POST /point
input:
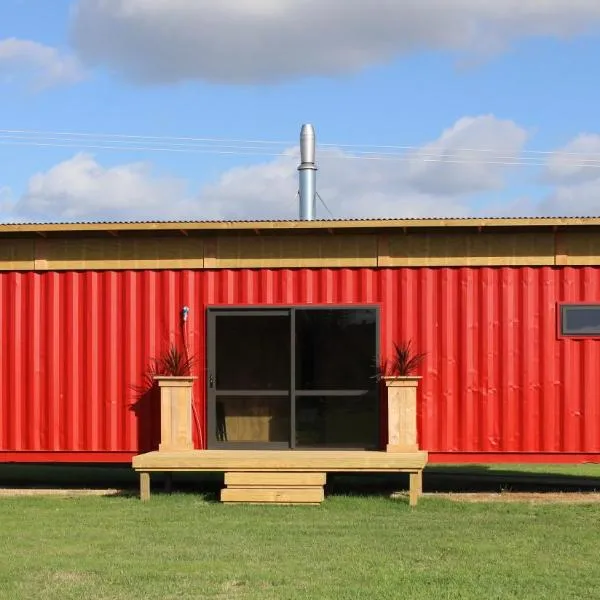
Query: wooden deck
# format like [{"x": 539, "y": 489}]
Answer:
[{"x": 280, "y": 476}]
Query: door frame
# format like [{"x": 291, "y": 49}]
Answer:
[
  {"x": 276, "y": 310},
  {"x": 211, "y": 391}
]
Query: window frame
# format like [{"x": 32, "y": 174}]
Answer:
[
  {"x": 560, "y": 313},
  {"x": 212, "y": 310}
]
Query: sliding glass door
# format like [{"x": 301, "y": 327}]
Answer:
[
  {"x": 292, "y": 378},
  {"x": 249, "y": 377}
]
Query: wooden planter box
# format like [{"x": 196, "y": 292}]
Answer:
[
  {"x": 402, "y": 413},
  {"x": 175, "y": 413}
]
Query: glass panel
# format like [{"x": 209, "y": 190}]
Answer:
[
  {"x": 253, "y": 419},
  {"x": 581, "y": 320},
  {"x": 335, "y": 349},
  {"x": 252, "y": 352},
  {"x": 337, "y": 421}
]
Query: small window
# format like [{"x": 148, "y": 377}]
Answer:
[{"x": 580, "y": 320}]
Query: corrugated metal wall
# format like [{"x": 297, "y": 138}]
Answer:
[{"x": 75, "y": 346}]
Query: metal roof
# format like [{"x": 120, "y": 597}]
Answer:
[{"x": 265, "y": 225}]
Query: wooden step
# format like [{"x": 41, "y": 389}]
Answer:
[
  {"x": 275, "y": 480},
  {"x": 305, "y": 495},
  {"x": 266, "y": 487}
]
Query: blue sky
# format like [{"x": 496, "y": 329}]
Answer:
[{"x": 459, "y": 87}]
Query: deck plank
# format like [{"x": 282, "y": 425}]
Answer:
[
  {"x": 274, "y": 479},
  {"x": 280, "y": 460},
  {"x": 307, "y": 495}
]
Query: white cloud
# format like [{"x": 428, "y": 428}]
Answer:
[
  {"x": 250, "y": 41},
  {"x": 5, "y": 195},
  {"x": 6, "y": 199},
  {"x": 574, "y": 169},
  {"x": 580, "y": 199},
  {"x": 46, "y": 66},
  {"x": 81, "y": 188},
  {"x": 417, "y": 185},
  {"x": 7, "y": 205},
  {"x": 576, "y": 162},
  {"x": 460, "y": 158},
  {"x": 350, "y": 188}
]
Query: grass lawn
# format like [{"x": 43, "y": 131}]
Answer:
[{"x": 185, "y": 546}]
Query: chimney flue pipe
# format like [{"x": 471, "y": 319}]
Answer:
[{"x": 307, "y": 174}]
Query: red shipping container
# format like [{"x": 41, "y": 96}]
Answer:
[{"x": 498, "y": 383}]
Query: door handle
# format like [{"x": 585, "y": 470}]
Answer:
[{"x": 211, "y": 381}]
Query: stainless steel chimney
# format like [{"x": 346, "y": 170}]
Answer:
[{"x": 307, "y": 174}]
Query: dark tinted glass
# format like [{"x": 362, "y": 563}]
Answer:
[
  {"x": 252, "y": 352},
  {"x": 337, "y": 421},
  {"x": 581, "y": 320},
  {"x": 335, "y": 349}
]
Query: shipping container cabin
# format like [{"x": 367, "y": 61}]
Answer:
[{"x": 286, "y": 321}]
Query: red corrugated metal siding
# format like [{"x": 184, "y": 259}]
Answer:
[{"x": 496, "y": 378}]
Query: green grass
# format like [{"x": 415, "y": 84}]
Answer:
[{"x": 184, "y": 546}]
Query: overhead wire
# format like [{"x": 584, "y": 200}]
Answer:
[
  {"x": 448, "y": 159},
  {"x": 141, "y": 137},
  {"x": 138, "y": 148},
  {"x": 237, "y": 141},
  {"x": 240, "y": 147},
  {"x": 163, "y": 138}
]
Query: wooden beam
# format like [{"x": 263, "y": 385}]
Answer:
[
  {"x": 578, "y": 248},
  {"x": 415, "y": 487},
  {"x": 449, "y": 249},
  {"x": 561, "y": 253},
  {"x": 546, "y": 223},
  {"x": 309, "y": 250},
  {"x": 144, "y": 486},
  {"x": 279, "y": 251},
  {"x": 383, "y": 250},
  {"x": 61, "y": 254},
  {"x": 17, "y": 255}
]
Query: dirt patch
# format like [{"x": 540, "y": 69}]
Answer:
[
  {"x": 57, "y": 492},
  {"x": 529, "y": 497}
]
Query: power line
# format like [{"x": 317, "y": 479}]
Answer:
[
  {"x": 463, "y": 149},
  {"x": 234, "y": 149},
  {"x": 426, "y": 158},
  {"x": 170, "y": 140},
  {"x": 121, "y": 142},
  {"x": 137, "y": 148},
  {"x": 397, "y": 158},
  {"x": 140, "y": 137}
]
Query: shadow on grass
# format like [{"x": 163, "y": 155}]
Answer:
[
  {"x": 201, "y": 494},
  {"x": 437, "y": 478},
  {"x": 491, "y": 478},
  {"x": 104, "y": 477},
  {"x": 465, "y": 478}
]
